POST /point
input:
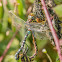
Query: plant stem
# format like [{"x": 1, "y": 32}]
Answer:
[
  {"x": 49, "y": 57},
  {"x": 52, "y": 29},
  {"x": 8, "y": 46}
]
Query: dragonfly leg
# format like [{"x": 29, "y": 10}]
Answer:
[
  {"x": 17, "y": 54},
  {"x": 24, "y": 58},
  {"x": 35, "y": 46},
  {"x": 24, "y": 54}
]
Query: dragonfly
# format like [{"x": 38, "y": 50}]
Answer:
[{"x": 35, "y": 24}]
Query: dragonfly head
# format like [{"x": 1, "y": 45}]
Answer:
[{"x": 31, "y": 17}]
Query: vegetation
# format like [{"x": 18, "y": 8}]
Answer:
[{"x": 7, "y": 31}]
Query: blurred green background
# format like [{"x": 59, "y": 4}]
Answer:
[{"x": 7, "y": 31}]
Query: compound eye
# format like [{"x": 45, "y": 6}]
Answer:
[
  {"x": 32, "y": 18},
  {"x": 29, "y": 17}
]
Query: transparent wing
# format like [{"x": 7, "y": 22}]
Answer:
[
  {"x": 18, "y": 23},
  {"x": 39, "y": 29}
]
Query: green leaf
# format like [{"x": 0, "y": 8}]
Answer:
[
  {"x": 1, "y": 11},
  {"x": 58, "y": 10},
  {"x": 21, "y": 8},
  {"x": 58, "y": 1}
]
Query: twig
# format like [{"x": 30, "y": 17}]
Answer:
[
  {"x": 52, "y": 29},
  {"x": 8, "y": 46},
  {"x": 49, "y": 57},
  {"x": 45, "y": 51}
]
